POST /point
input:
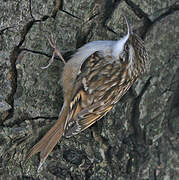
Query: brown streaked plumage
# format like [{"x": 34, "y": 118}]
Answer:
[{"x": 94, "y": 80}]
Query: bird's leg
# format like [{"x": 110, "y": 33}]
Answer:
[{"x": 52, "y": 42}]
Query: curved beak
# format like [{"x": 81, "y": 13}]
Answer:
[{"x": 129, "y": 28}]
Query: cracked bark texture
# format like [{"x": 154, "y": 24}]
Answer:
[{"x": 138, "y": 139}]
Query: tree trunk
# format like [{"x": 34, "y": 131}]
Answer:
[{"x": 137, "y": 139}]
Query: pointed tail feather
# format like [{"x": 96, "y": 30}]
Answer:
[{"x": 48, "y": 142}]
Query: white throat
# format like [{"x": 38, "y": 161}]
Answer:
[{"x": 119, "y": 46}]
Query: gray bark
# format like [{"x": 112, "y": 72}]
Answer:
[{"x": 138, "y": 139}]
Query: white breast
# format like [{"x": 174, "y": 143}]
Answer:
[{"x": 105, "y": 47}]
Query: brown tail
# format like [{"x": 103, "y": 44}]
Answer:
[{"x": 48, "y": 142}]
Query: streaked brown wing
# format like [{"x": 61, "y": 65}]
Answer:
[{"x": 101, "y": 82}]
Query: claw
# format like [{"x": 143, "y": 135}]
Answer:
[
  {"x": 39, "y": 167},
  {"x": 52, "y": 42}
]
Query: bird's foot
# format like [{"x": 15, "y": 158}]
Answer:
[{"x": 52, "y": 42}]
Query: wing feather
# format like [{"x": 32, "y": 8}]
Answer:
[{"x": 100, "y": 83}]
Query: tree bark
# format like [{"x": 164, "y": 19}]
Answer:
[{"x": 138, "y": 139}]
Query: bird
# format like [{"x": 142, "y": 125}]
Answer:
[{"x": 93, "y": 81}]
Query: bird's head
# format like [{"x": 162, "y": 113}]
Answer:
[{"x": 123, "y": 48}]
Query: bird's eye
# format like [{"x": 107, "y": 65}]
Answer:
[
  {"x": 125, "y": 54},
  {"x": 126, "y": 47}
]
